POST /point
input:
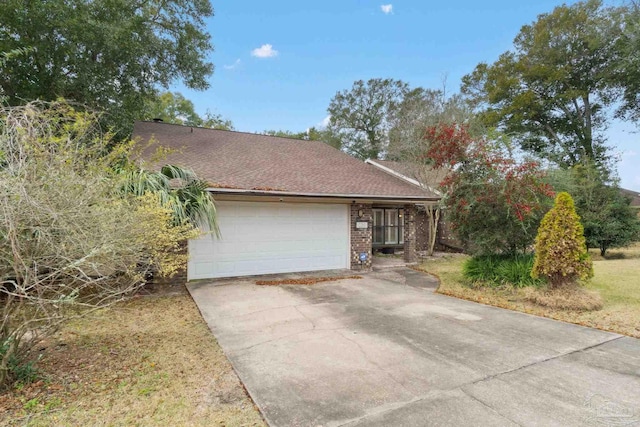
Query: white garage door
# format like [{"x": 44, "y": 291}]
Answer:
[{"x": 264, "y": 238}]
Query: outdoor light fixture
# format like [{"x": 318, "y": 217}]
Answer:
[{"x": 360, "y": 213}]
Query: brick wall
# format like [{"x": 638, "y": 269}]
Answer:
[
  {"x": 422, "y": 231},
  {"x": 361, "y": 239},
  {"x": 410, "y": 233}
]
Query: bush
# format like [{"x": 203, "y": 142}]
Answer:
[
  {"x": 561, "y": 256},
  {"x": 18, "y": 371},
  {"x": 70, "y": 241},
  {"x": 501, "y": 270},
  {"x": 494, "y": 200}
]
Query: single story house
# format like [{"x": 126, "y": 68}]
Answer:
[
  {"x": 431, "y": 178},
  {"x": 635, "y": 198},
  {"x": 287, "y": 205}
]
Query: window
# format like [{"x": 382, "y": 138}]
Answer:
[{"x": 388, "y": 227}]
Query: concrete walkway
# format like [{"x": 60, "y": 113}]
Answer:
[{"x": 386, "y": 351}]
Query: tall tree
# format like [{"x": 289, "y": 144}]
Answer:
[
  {"x": 311, "y": 134},
  {"x": 607, "y": 216},
  {"x": 628, "y": 67},
  {"x": 420, "y": 109},
  {"x": 551, "y": 92},
  {"x": 111, "y": 55},
  {"x": 360, "y": 116},
  {"x": 173, "y": 107}
]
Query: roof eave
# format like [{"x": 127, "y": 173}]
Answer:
[{"x": 415, "y": 199}]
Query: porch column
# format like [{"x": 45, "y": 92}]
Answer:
[
  {"x": 410, "y": 233},
  {"x": 361, "y": 237}
]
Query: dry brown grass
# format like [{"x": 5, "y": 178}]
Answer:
[
  {"x": 573, "y": 298},
  {"x": 616, "y": 280},
  {"x": 150, "y": 361},
  {"x": 304, "y": 280}
]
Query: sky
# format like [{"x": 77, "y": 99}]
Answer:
[{"x": 279, "y": 63}]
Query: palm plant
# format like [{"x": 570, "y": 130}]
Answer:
[{"x": 178, "y": 189}]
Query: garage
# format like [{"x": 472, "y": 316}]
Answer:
[{"x": 265, "y": 238}]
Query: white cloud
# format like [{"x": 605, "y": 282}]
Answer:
[
  {"x": 233, "y": 66},
  {"x": 386, "y": 8},
  {"x": 264, "y": 51},
  {"x": 325, "y": 122}
]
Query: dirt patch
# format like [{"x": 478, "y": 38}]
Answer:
[
  {"x": 149, "y": 361},
  {"x": 304, "y": 281}
]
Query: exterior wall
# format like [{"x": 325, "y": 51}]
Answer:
[
  {"x": 446, "y": 240},
  {"x": 410, "y": 254},
  {"x": 422, "y": 231},
  {"x": 361, "y": 239}
]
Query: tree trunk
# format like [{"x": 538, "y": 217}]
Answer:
[
  {"x": 603, "y": 250},
  {"x": 433, "y": 216}
]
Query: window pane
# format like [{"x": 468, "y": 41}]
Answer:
[
  {"x": 378, "y": 217},
  {"x": 391, "y": 235},
  {"x": 378, "y": 235},
  {"x": 392, "y": 217}
]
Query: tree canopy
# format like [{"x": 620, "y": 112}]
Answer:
[
  {"x": 552, "y": 91},
  {"x": 173, "y": 107},
  {"x": 110, "y": 55},
  {"x": 360, "y": 116}
]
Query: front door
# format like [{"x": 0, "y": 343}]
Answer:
[{"x": 388, "y": 227}]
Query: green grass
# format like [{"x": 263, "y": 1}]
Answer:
[{"x": 616, "y": 279}]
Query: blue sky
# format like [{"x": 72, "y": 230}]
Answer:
[{"x": 279, "y": 63}]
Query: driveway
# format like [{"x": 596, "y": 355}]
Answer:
[{"x": 385, "y": 350}]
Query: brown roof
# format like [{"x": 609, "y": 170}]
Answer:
[
  {"x": 635, "y": 196},
  {"x": 421, "y": 173},
  {"x": 246, "y": 161}
]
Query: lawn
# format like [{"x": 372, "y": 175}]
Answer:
[
  {"x": 617, "y": 280},
  {"x": 149, "y": 361}
]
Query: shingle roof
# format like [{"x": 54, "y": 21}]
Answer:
[
  {"x": 425, "y": 174},
  {"x": 635, "y": 196},
  {"x": 237, "y": 160}
]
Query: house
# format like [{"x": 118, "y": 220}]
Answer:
[
  {"x": 423, "y": 176},
  {"x": 287, "y": 205},
  {"x": 635, "y": 198}
]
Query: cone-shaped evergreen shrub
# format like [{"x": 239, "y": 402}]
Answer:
[{"x": 561, "y": 255}]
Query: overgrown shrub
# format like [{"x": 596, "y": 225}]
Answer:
[
  {"x": 70, "y": 241},
  {"x": 561, "y": 256},
  {"x": 494, "y": 199},
  {"x": 495, "y": 270}
]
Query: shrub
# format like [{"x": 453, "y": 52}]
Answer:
[
  {"x": 501, "y": 269},
  {"x": 561, "y": 256},
  {"x": 494, "y": 199},
  {"x": 70, "y": 242}
]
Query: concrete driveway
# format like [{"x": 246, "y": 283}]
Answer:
[{"x": 386, "y": 351}]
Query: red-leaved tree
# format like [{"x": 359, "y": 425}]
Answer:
[{"x": 494, "y": 202}]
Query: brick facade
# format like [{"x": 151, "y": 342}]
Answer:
[
  {"x": 410, "y": 254},
  {"x": 422, "y": 231},
  {"x": 361, "y": 238}
]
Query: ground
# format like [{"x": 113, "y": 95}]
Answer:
[
  {"x": 385, "y": 350},
  {"x": 616, "y": 279},
  {"x": 149, "y": 361}
]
